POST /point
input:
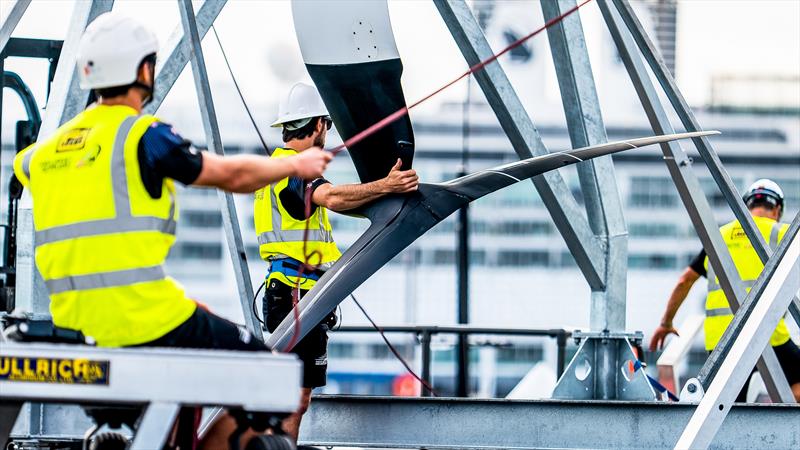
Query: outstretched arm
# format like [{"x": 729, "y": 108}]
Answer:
[
  {"x": 248, "y": 173},
  {"x": 349, "y": 196},
  {"x": 679, "y": 293}
]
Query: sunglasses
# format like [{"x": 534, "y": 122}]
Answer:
[{"x": 328, "y": 122}]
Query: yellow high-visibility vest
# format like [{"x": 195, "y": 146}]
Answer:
[
  {"x": 280, "y": 235},
  {"x": 718, "y": 311},
  {"x": 101, "y": 240}
]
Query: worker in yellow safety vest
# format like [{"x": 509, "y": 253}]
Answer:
[
  {"x": 105, "y": 207},
  {"x": 281, "y": 220},
  {"x": 765, "y": 201}
]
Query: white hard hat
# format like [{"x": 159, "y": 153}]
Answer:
[
  {"x": 111, "y": 49},
  {"x": 302, "y": 102},
  {"x": 767, "y": 189}
]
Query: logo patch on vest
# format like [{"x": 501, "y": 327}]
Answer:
[
  {"x": 53, "y": 370},
  {"x": 72, "y": 140},
  {"x": 738, "y": 233}
]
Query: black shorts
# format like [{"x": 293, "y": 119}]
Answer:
[
  {"x": 208, "y": 331},
  {"x": 313, "y": 348},
  {"x": 788, "y": 356}
]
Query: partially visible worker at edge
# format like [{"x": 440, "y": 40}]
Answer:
[
  {"x": 105, "y": 207},
  {"x": 765, "y": 201},
  {"x": 280, "y": 221}
]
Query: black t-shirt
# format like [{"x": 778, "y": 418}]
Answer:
[
  {"x": 293, "y": 198},
  {"x": 698, "y": 263},
  {"x": 163, "y": 153}
]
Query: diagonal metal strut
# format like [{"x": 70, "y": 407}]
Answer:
[
  {"x": 688, "y": 186},
  {"x": 230, "y": 219},
  {"x": 704, "y": 147},
  {"x": 556, "y": 195}
]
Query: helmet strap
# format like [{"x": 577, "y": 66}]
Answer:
[{"x": 148, "y": 90}]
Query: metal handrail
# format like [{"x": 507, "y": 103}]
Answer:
[{"x": 425, "y": 333}]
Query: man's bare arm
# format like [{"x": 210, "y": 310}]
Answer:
[
  {"x": 248, "y": 173},
  {"x": 349, "y": 196},
  {"x": 679, "y": 293}
]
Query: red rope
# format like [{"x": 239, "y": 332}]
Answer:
[
  {"x": 306, "y": 265},
  {"x": 404, "y": 110}
]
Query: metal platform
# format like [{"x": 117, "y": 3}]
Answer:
[
  {"x": 455, "y": 423},
  {"x": 158, "y": 380}
]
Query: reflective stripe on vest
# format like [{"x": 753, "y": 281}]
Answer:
[
  {"x": 105, "y": 279},
  {"x": 278, "y": 234},
  {"x": 101, "y": 238},
  {"x": 714, "y": 312},
  {"x": 123, "y": 221},
  {"x": 748, "y": 267},
  {"x": 713, "y": 284},
  {"x": 26, "y": 162}
]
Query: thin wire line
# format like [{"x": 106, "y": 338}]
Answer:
[
  {"x": 241, "y": 96},
  {"x": 394, "y": 350}
]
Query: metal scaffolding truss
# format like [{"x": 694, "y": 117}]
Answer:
[{"x": 595, "y": 235}]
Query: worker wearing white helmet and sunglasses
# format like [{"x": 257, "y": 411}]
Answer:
[
  {"x": 105, "y": 205},
  {"x": 765, "y": 200},
  {"x": 281, "y": 220}
]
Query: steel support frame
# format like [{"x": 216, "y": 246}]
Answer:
[
  {"x": 447, "y": 423},
  {"x": 688, "y": 186},
  {"x": 604, "y": 211},
  {"x": 8, "y": 26},
  {"x": 180, "y": 49},
  {"x": 178, "y": 52},
  {"x": 525, "y": 138},
  {"x": 603, "y": 369},
  {"x": 597, "y": 178},
  {"x": 230, "y": 219},
  {"x": 155, "y": 426},
  {"x": 774, "y": 289},
  {"x": 65, "y": 97},
  {"x": 704, "y": 148}
]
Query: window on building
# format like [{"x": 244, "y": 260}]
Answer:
[
  {"x": 521, "y": 194},
  {"x": 252, "y": 252},
  {"x": 523, "y": 258},
  {"x": 712, "y": 192},
  {"x": 198, "y": 191},
  {"x": 478, "y": 226},
  {"x": 655, "y": 261},
  {"x": 520, "y": 353},
  {"x": 652, "y": 192},
  {"x": 196, "y": 250},
  {"x": 477, "y": 257},
  {"x": 521, "y": 227},
  {"x": 791, "y": 194},
  {"x": 567, "y": 260},
  {"x": 654, "y": 229},
  {"x": 382, "y": 351},
  {"x": 441, "y": 257},
  {"x": 202, "y": 219},
  {"x": 342, "y": 350}
]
